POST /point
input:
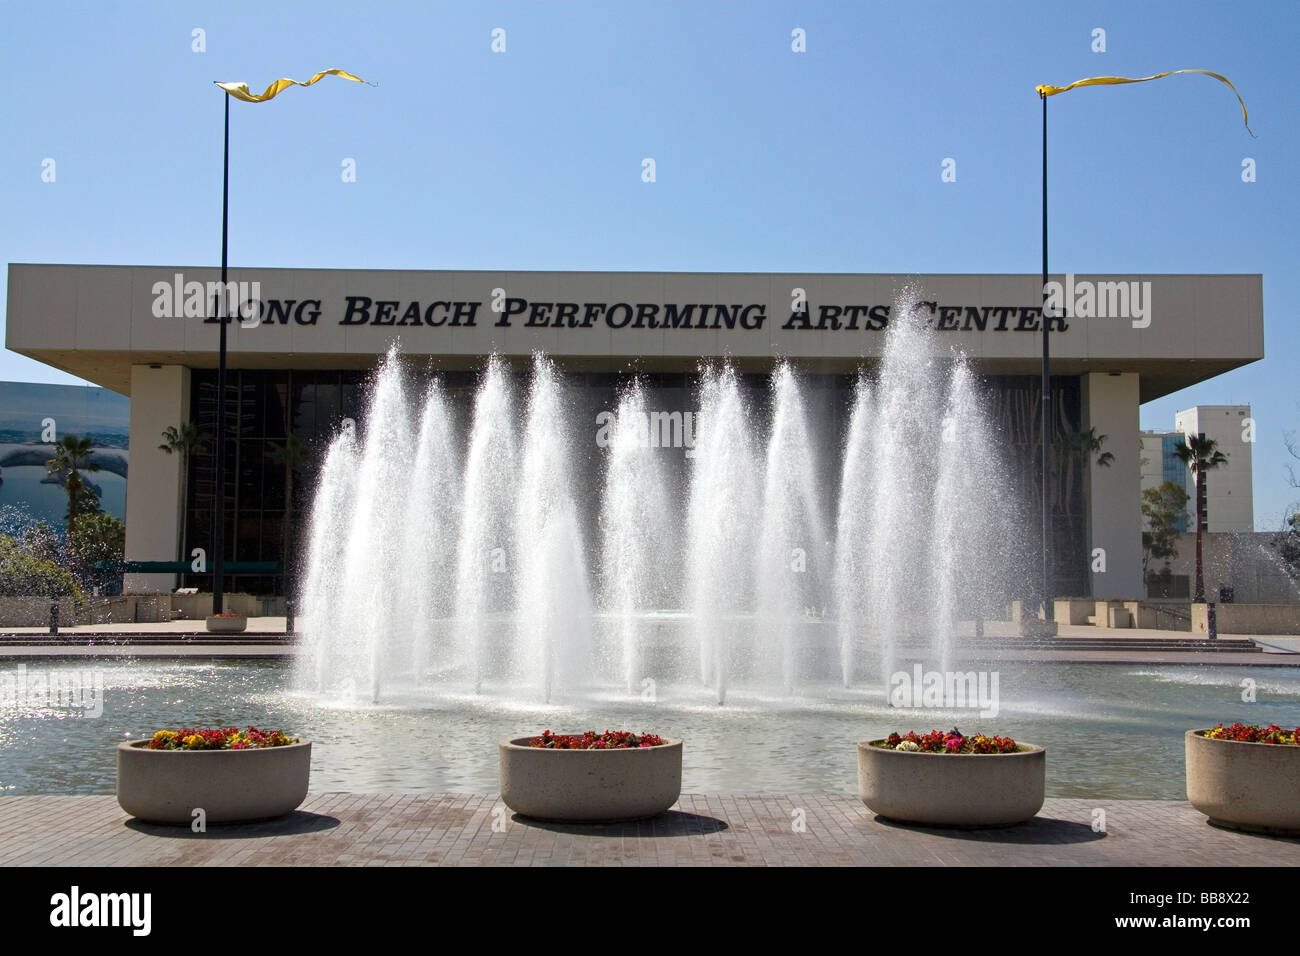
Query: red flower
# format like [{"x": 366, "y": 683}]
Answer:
[
  {"x": 609, "y": 740},
  {"x": 1253, "y": 734},
  {"x": 953, "y": 742}
]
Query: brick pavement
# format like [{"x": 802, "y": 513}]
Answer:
[{"x": 352, "y": 829}]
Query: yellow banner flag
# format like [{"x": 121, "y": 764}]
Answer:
[
  {"x": 240, "y": 90},
  {"x": 1044, "y": 90}
]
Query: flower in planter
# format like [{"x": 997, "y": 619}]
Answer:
[
  {"x": 221, "y": 739},
  {"x": 952, "y": 742},
  {"x": 1254, "y": 734},
  {"x": 227, "y": 614},
  {"x": 609, "y": 740}
]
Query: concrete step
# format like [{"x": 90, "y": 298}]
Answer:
[
  {"x": 149, "y": 637},
  {"x": 1116, "y": 644}
]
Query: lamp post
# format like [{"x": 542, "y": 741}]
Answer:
[
  {"x": 1045, "y": 411},
  {"x": 1044, "y": 91},
  {"x": 219, "y": 510},
  {"x": 238, "y": 91}
]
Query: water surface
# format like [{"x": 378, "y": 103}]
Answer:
[{"x": 1111, "y": 731}]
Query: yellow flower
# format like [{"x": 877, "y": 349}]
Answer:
[
  {"x": 165, "y": 735},
  {"x": 193, "y": 741}
]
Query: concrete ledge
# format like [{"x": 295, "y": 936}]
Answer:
[
  {"x": 34, "y": 611},
  {"x": 1248, "y": 618},
  {"x": 1073, "y": 610}
]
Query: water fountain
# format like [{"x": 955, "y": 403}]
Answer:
[
  {"x": 792, "y": 551},
  {"x": 636, "y": 518},
  {"x": 720, "y": 524},
  {"x": 551, "y": 592},
  {"x": 432, "y": 524},
  {"x": 508, "y": 558},
  {"x": 486, "y": 537}
]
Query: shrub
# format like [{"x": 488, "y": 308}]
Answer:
[{"x": 24, "y": 574}]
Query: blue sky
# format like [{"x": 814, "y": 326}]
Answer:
[{"x": 766, "y": 160}]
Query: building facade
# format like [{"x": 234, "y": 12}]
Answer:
[
  {"x": 1230, "y": 487},
  {"x": 1160, "y": 463},
  {"x": 1229, "y": 492},
  {"x": 305, "y": 341}
]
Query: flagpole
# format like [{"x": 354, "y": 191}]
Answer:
[
  {"x": 1044, "y": 91},
  {"x": 241, "y": 91},
  {"x": 1048, "y": 610},
  {"x": 219, "y": 511}
]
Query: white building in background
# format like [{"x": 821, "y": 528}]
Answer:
[
  {"x": 1159, "y": 463},
  {"x": 1230, "y": 504},
  {"x": 1230, "y": 501}
]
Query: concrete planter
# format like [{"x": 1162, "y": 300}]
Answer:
[
  {"x": 952, "y": 790},
  {"x": 1030, "y": 627},
  {"x": 231, "y": 786},
  {"x": 226, "y": 624},
  {"x": 1244, "y": 786},
  {"x": 590, "y": 786}
]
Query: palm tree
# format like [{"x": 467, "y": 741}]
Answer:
[
  {"x": 1083, "y": 444},
  {"x": 1079, "y": 446},
  {"x": 1201, "y": 454},
  {"x": 293, "y": 454},
  {"x": 71, "y": 458},
  {"x": 185, "y": 441}
]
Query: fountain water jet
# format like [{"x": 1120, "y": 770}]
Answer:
[
  {"x": 917, "y": 531},
  {"x": 792, "y": 539},
  {"x": 853, "y": 520},
  {"x": 900, "y": 456},
  {"x": 463, "y": 557},
  {"x": 324, "y": 652},
  {"x": 724, "y": 500},
  {"x": 486, "y": 550},
  {"x": 553, "y": 602},
  {"x": 636, "y": 520},
  {"x": 961, "y": 535},
  {"x": 352, "y": 534},
  {"x": 432, "y": 526}
]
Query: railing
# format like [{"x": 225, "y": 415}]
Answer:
[
  {"x": 1170, "y": 617},
  {"x": 269, "y": 568}
]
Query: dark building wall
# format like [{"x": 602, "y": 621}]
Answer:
[{"x": 265, "y": 406}]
